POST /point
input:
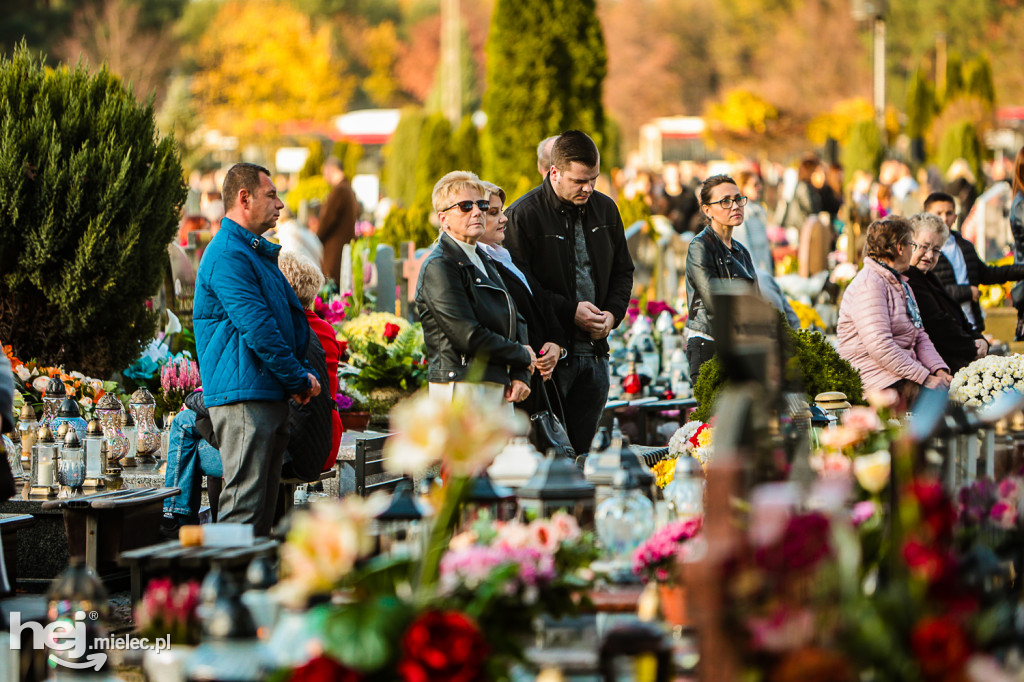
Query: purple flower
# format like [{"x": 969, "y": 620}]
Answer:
[{"x": 344, "y": 402}]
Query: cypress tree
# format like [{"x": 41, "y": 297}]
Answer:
[
  {"x": 435, "y": 156},
  {"x": 960, "y": 141},
  {"x": 920, "y": 105},
  {"x": 863, "y": 150},
  {"x": 546, "y": 68},
  {"x": 89, "y": 201},
  {"x": 978, "y": 79},
  {"x": 954, "y": 78},
  {"x": 399, "y": 174},
  {"x": 466, "y": 147}
]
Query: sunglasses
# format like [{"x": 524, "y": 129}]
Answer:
[{"x": 467, "y": 205}]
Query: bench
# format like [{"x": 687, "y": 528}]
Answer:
[
  {"x": 369, "y": 467},
  {"x": 285, "y": 496}
]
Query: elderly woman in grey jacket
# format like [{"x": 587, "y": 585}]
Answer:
[{"x": 713, "y": 254}]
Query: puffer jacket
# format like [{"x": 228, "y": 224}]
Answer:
[
  {"x": 251, "y": 331},
  {"x": 876, "y": 334},
  {"x": 708, "y": 259},
  {"x": 467, "y": 316},
  {"x": 540, "y": 234}
]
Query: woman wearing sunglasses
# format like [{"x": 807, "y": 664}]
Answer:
[
  {"x": 943, "y": 318},
  {"x": 713, "y": 254},
  {"x": 880, "y": 328},
  {"x": 471, "y": 327}
]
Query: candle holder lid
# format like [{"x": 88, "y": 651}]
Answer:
[
  {"x": 55, "y": 388},
  {"x": 71, "y": 439},
  {"x": 27, "y": 413},
  {"x": 69, "y": 408},
  {"x": 142, "y": 397},
  {"x": 93, "y": 428},
  {"x": 109, "y": 402},
  {"x": 45, "y": 434}
]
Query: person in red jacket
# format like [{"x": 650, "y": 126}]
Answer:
[{"x": 307, "y": 280}]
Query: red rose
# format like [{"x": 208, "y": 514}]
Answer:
[
  {"x": 442, "y": 646},
  {"x": 391, "y": 331},
  {"x": 926, "y": 561},
  {"x": 323, "y": 669},
  {"x": 940, "y": 646},
  {"x": 804, "y": 544},
  {"x": 936, "y": 509}
]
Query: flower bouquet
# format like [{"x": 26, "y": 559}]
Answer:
[
  {"x": 657, "y": 557},
  {"x": 178, "y": 378},
  {"x": 30, "y": 379},
  {"x": 693, "y": 439},
  {"x": 985, "y": 379},
  {"x": 386, "y": 358},
  {"x": 169, "y": 610}
]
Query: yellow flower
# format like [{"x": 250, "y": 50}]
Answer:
[
  {"x": 872, "y": 471},
  {"x": 664, "y": 472}
]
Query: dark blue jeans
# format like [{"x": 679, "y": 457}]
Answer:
[
  {"x": 583, "y": 382},
  {"x": 189, "y": 457}
]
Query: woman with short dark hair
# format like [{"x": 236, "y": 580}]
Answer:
[
  {"x": 713, "y": 254},
  {"x": 880, "y": 328}
]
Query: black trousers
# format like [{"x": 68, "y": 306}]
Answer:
[
  {"x": 583, "y": 382},
  {"x": 698, "y": 351}
]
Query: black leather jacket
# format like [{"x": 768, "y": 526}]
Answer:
[
  {"x": 978, "y": 272},
  {"x": 467, "y": 316},
  {"x": 707, "y": 259},
  {"x": 540, "y": 233}
]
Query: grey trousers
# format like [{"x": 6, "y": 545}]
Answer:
[{"x": 253, "y": 437}]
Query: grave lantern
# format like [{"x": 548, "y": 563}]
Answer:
[
  {"x": 71, "y": 465},
  {"x": 141, "y": 407},
  {"x": 684, "y": 494},
  {"x": 27, "y": 427},
  {"x": 558, "y": 485},
  {"x": 68, "y": 413},
  {"x": 52, "y": 398},
  {"x": 623, "y": 522},
  {"x": 44, "y": 462},
  {"x": 400, "y": 526},
  {"x": 95, "y": 455},
  {"x": 110, "y": 412},
  {"x": 485, "y": 495},
  {"x": 515, "y": 464}
]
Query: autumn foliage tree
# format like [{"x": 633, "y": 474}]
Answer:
[{"x": 255, "y": 73}]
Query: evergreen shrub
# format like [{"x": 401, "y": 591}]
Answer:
[
  {"x": 89, "y": 201},
  {"x": 408, "y": 225}
]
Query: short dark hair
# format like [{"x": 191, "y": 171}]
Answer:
[
  {"x": 885, "y": 235},
  {"x": 574, "y": 146},
  {"x": 936, "y": 197},
  {"x": 241, "y": 176}
]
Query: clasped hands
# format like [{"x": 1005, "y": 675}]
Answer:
[
  {"x": 594, "y": 321},
  {"x": 311, "y": 392}
]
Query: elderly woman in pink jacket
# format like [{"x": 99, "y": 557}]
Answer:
[{"x": 880, "y": 328}]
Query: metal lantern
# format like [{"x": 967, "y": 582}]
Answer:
[
  {"x": 515, "y": 464},
  {"x": 141, "y": 406},
  {"x": 95, "y": 455},
  {"x": 601, "y": 468},
  {"x": 684, "y": 494},
  {"x": 132, "y": 434},
  {"x": 485, "y": 494},
  {"x": 44, "y": 463},
  {"x": 110, "y": 412},
  {"x": 68, "y": 413},
  {"x": 52, "y": 398},
  {"x": 27, "y": 427},
  {"x": 71, "y": 465},
  {"x": 833, "y": 402},
  {"x": 558, "y": 485},
  {"x": 12, "y": 450},
  {"x": 623, "y": 522},
  {"x": 399, "y": 527}
]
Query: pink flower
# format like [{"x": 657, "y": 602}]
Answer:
[
  {"x": 862, "y": 419},
  {"x": 784, "y": 630},
  {"x": 565, "y": 526},
  {"x": 862, "y": 511},
  {"x": 830, "y": 465},
  {"x": 544, "y": 536},
  {"x": 887, "y": 397},
  {"x": 1009, "y": 490},
  {"x": 840, "y": 437},
  {"x": 1005, "y": 515}
]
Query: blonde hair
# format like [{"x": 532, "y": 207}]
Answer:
[
  {"x": 494, "y": 190},
  {"x": 303, "y": 274},
  {"x": 453, "y": 183}
]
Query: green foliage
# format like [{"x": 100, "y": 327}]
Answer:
[
  {"x": 377, "y": 363},
  {"x": 90, "y": 198},
  {"x": 314, "y": 162},
  {"x": 864, "y": 149},
  {"x": 546, "y": 64},
  {"x": 821, "y": 366},
  {"x": 921, "y": 105},
  {"x": 400, "y": 157},
  {"x": 954, "y": 78},
  {"x": 705, "y": 389},
  {"x": 978, "y": 79},
  {"x": 465, "y": 148},
  {"x": 310, "y": 188},
  {"x": 408, "y": 225},
  {"x": 350, "y": 154},
  {"x": 633, "y": 209},
  {"x": 434, "y": 157},
  {"x": 960, "y": 141}
]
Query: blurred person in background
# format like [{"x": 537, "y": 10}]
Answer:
[
  {"x": 962, "y": 186},
  {"x": 753, "y": 231},
  {"x": 544, "y": 156},
  {"x": 337, "y": 224},
  {"x": 806, "y": 200}
]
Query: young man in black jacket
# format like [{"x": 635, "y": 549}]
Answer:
[
  {"x": 960, "y": 269},
  {"x": 572, "y": 238}
]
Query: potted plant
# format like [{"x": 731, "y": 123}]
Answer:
[
  {"x": 354, "y": 416},
  {"x": 168, "y": 613},
  {"x": 656, "y": 560}
]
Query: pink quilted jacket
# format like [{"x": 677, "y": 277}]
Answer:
[{"x": 876, "y": 334}]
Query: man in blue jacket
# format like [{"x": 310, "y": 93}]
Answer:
[{"x": 251, "y": 334}]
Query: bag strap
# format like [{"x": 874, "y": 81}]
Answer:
[{"x": 547, "y": 401}]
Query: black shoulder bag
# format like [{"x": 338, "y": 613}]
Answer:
[{"x": 547, "y": 430}]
